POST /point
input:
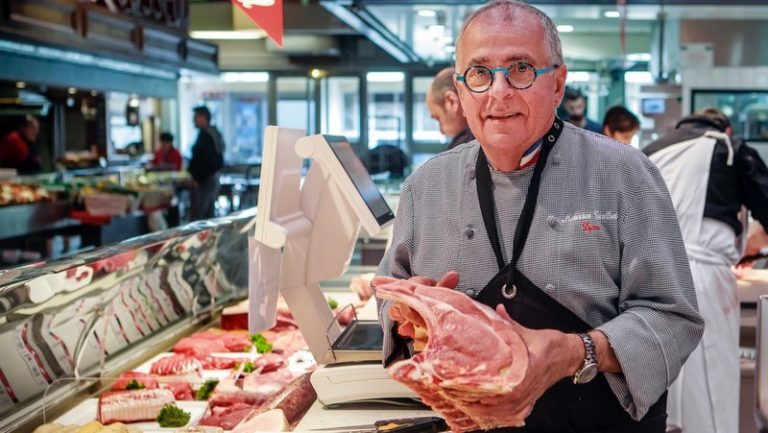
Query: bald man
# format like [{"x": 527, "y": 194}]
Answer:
[{"x": 444, "y": 106}]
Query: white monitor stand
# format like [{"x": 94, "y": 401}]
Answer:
[{"x": 317, "y": 224}]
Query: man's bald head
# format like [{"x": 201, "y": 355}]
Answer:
[{"x": 508, "y": 11}]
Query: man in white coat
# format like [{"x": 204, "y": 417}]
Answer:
[{"x": 711, "y": 177}]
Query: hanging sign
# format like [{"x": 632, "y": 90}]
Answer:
[{"x": 267, "y": 14}]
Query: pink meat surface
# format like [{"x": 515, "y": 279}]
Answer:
[
  {"x": 199, "y": 346},
  {"x": 268, "y": 363},
  {"x": 254, "y": 390},
  {"x": 473, "y": 358},
  {"x": 286, "y": 342},
  {"x": 132, "y": 406},
  {"x": 147, "y": 380},
  {"x": 175, "y": 365},
  {"x": 181, "y": 390},
  {"x": 219, "y": 363},
  {"x": 227, "y": 417}
]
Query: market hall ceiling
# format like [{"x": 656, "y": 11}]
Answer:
[{"x": 423, "y": 32}]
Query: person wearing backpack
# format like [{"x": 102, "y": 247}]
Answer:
[{"x": 207, "y": 159}]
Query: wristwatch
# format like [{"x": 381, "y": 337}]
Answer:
[{"x": 588, "y": 370}]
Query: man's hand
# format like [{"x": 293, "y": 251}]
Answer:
[
  {"x": 757, "y": 240},
  {"x": 410, "y": 323},
  {"x": 552, "y": 354}
]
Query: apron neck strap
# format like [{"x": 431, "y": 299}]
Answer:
[{"x": 488, "y": 207}]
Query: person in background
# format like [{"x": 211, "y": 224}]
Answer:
[
  {"x": 572, "y": 233},
  {"x": 711, "y": 175},
  {"x": 575, "y": 105},
  {"x": 166, "y": 157},
  {"x": 17, "y": 148},
  {"x": 444, "y": 106},
  {"x": 207, "y": 159},
  {"x": 620, "y": 124}
]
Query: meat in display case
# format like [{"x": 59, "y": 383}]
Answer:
[{"x": 68, "y": 326}]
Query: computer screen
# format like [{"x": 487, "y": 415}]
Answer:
[{"x": 360, "y": 178}]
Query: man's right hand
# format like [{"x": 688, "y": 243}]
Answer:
[{"x": 410, "y": 323}]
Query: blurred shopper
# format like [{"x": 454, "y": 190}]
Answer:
[
  {"x": 575, "y": 105},
  {"x": 710, "y": 176},
  {"x": 444, "y": 106},
  {"x": 17, "y": 148},
  {"x": 167, "y": 157},
  {"x": 207, "y": 160},
  {"x": 620, "y": 124}
]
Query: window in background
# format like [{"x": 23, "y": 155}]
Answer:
[
  {"x": 295, "y": 103},
  {"x": 386, "y": 110},
  {"x": 340, "y": 113},
  {"x": 425, "y": 128},
  {"x": 238, "y": 105}
]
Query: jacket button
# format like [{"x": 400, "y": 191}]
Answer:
[
  {"x": 472, "y": 173},
  {"x": 549, "y": 287},
  {"x": 556, "y": 160},
  {"x": 551, "y": 220},
  {"x": 469, "y": 233}
]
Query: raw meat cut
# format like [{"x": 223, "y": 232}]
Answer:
[
  {"x": 227, "y": 417},
  {"x": 207, "y": 342},
  {"x": 133, "y": 405},
  {"x": 286, "y": 342},
  {"x": 147, "y": 380},
  {"x": 181, "y": 390},
  {"x": 294, "y": 400},
  {"x": 254, "y": 390},
  {"x": 268, "y": 363},
  {"x": 472, "y": 360},
  {"x": 219, "y": 363},
  {"x": 175, "y": 365},
  {"x": 199, "y": 347},
  {"x": 269, "y": 421}
]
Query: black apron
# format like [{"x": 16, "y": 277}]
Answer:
[{"x": 565, "y": 407}]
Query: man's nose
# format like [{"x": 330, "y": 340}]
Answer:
[{"x": 500, "y": 86}]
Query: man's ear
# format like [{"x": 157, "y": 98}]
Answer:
[
  {"x": 451, "y": 102},
  {"x": 560, "y": 73}
]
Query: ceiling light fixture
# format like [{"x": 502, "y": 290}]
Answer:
[
  {"x": 639, "y": 57},
  {"x": 612, "y": 14},
  {"x": 71, "y": 90},
  {"x": 232, "y": 35},
  {"x": 429, "y": 13},
  {"x": 564, "y": 28},
  {"x": 436, "y": 30},
  {"x": 244, "y": 77},
  {"x": 21, "y": 84},
  {"x": 385, "y": 77}
]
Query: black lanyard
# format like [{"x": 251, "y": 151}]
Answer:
[{"x": 488, "y": 205}]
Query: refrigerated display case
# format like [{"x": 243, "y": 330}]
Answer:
[{"x": 68, "y": 326}]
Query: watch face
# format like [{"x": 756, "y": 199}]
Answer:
[{"x": 587, "y": 373}]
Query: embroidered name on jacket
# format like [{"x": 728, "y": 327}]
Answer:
[{"x": 586, "y": 216}]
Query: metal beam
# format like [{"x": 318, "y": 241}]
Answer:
[{"x": 369, "y": 26}]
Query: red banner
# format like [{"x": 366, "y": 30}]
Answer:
[{"x": 267, "y": 14}]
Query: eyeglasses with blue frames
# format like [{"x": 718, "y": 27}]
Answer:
[{"x": 520, "y": 75}]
